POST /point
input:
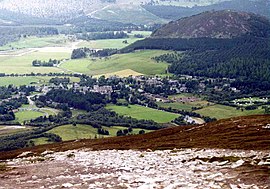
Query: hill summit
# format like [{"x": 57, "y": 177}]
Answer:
[{"x": 216, "y": 24}]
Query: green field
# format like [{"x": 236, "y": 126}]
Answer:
[
  {"x": 140, "y": 62},
  {"x": 40, "y": 141},
  {"x": 141, "y": 112},
  {"x": 17, "y": 81},
  {"x": 221, "y": 112},
  {"x": 35, "y": 42},
  {"x": 22, "y": 116},
  {"x": 70, "y": 132},
  {"x": 23, "y": 63}
]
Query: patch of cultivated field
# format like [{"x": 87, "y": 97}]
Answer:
[
  {"x": 22, "y": 116},
  {"x": 141, "y": 112},
  {"x": 140, "y": 62},
  {"x": 28, "y": 80},
  {"x": 35, "y": 42},
  {"x": 122, "y": 73},
  {"x": 220, "y": 111},
  {"x": 23, "y": 64}
]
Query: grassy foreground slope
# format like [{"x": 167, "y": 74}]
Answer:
[
  {"x": 140, "y": 62},
  {"x": 236, "y": 133}
]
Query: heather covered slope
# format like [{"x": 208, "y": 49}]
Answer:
[
  {"x": 249, "y": 133},
  {"x": 216, "y": 24}
]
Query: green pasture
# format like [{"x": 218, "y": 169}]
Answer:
[
  {"x": 221, "y": 112},
  {"x": 35, "y": 42},
  {"x": 141, "y": 112},
  {"x": 139, "y": 61},
  {"x": 183, "y": 106},
  {"x": 22, "y": 116},
  {"x": 80, "y": 131},
  {"x": 70, "y": 132},
  {"x": 23, "y": 63}
]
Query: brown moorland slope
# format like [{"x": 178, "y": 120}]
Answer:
[{"x": 249, "y": 133}]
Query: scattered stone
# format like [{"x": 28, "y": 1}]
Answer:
[
  {"x": 67, "y": 185},
  {"x": 169, "y": 169},
  {"x": 238, "y": 164},
  {"x": 34, "y": 177},
  {"x": 47, "y": 152},
  {"x": 25, "y": 154}
]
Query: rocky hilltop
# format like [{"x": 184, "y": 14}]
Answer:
[{"x": 216, "y": 24}]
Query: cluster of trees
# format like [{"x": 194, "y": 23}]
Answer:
[
  {"x": 102, "y": 131},
  {"x": 104, "y": 52},
  {"x": 57, "y": 80},
  {"x": 124, "y": 132},
  {"x": 50, "y": 63},
  {"x": 81, "y": 53},
  {"x": 88, "y": 101},
  {"x": 102, "y": 35},
  {"x": 86, "y": 52}
]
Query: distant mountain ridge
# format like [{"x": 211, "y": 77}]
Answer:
[
  {"x": 216, "y": 24},
  {"x": 111, "y": 10},
  {"x": 176, "y": 12}
]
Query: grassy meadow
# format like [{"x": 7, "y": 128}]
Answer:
[
  {"x": 35, "y": 42},
  {"x": 139, "y": 62},
  {"x": 22, "y": 116},
  {"x": 141, "y": 112},
  {"x": 221, "y": 112},
  {"x": 81, "y": 131},
  {"x": 23, "y": 64}
]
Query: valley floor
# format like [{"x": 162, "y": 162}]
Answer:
[{"x": 178, "y": 168}]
